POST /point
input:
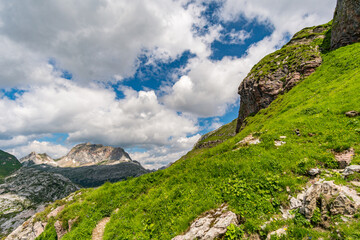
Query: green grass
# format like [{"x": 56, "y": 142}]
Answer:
[
  {"x": 252, "y": 179},
  {"x": 218, "y": 136},
  {"x": 8, "y": 165},
  {"x": 293, "y": 55}
]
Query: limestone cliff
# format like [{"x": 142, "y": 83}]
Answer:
[{"x": 346, "y": 25}]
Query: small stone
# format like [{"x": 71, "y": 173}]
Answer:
[
  {"x": 295, "y": 203},
  {"x": 351, "y": 169},
  {"x": 352, "y": 114},
  {"x": 282, "y": 137},
  {"x": 279, "y": 143},
  {"x": 314, "y": 171}
]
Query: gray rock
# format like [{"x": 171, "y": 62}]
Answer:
[
  {"x": 351, "y": 169},
  {"x": 211, "y": 226},
  {"x": 26, "y": 192},
  {"x": 346, "y": 23},
  {"x": 328, "y": 196},
  {"x": 295, "y": 203},
  {"x": 352, "y": 114},
  {"x": 314, "y": 171},
  {"x": 29, "y": 230}
]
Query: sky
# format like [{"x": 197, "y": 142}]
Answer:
[{"x": 149, "y": 76}]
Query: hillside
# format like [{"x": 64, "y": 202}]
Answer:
[
  {"x": 302, "y": 129},
  {"x": 8, "y": 164}
]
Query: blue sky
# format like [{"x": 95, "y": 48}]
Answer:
[{"x": 150, "y": 76}]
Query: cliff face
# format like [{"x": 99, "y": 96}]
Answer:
[
  {"x": 281, "y": 71},
  {"x": 87, "y": 154},
  {"x": 26, "y": 192},
  {"x": 346, "y": 25}
]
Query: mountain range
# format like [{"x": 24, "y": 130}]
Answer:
[{"x": 37, "y": 180}]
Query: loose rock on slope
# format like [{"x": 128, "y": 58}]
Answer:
[{"x": 211, "y": 226}]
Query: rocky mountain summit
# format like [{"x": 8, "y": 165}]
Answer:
[
  {"x": 26, "y": 192},
  {"x": 87, "y": 154},
  {"x": 34, "y": 159}
]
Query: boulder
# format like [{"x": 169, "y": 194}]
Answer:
[
  {"x": 314, "y": 171},
  {"x": 352, "y": 114},
  {"x": 212, "y": 225},
  {"x": 329, "y": 197},
  {"x": 351, "y": 169}
]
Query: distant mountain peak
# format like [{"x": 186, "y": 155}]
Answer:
[
  {"x": 86, "y": 154},
  {"x": 37, "y": 158}
]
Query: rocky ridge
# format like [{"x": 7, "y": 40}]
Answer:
[
  {"x": 26, "y": 192},
  {"x": 280, "y": 71},
  {"x": 87, "y": 154},
  {"x": 35, "y": 159}
]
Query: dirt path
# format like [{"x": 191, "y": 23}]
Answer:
[{"x": 99, "y": 230}]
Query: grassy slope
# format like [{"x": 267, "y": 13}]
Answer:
[
  {"x": 8, "y": 164},
  {"x": 252, "y": 179}
]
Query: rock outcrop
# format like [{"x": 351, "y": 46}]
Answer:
[
  {"x": 87, "y": 154},
  {"x": 351, "y": 170},
  {"x": 329, "y": 198},
  {"x": 26, "y": 192},
  {"x": 34, "y": 159},
  {"x": 212, "y": 225},
  {"x": 346, "y": 23},
  {"x": 280, "y": 71},
  {"x": 33, "y": 227}
]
